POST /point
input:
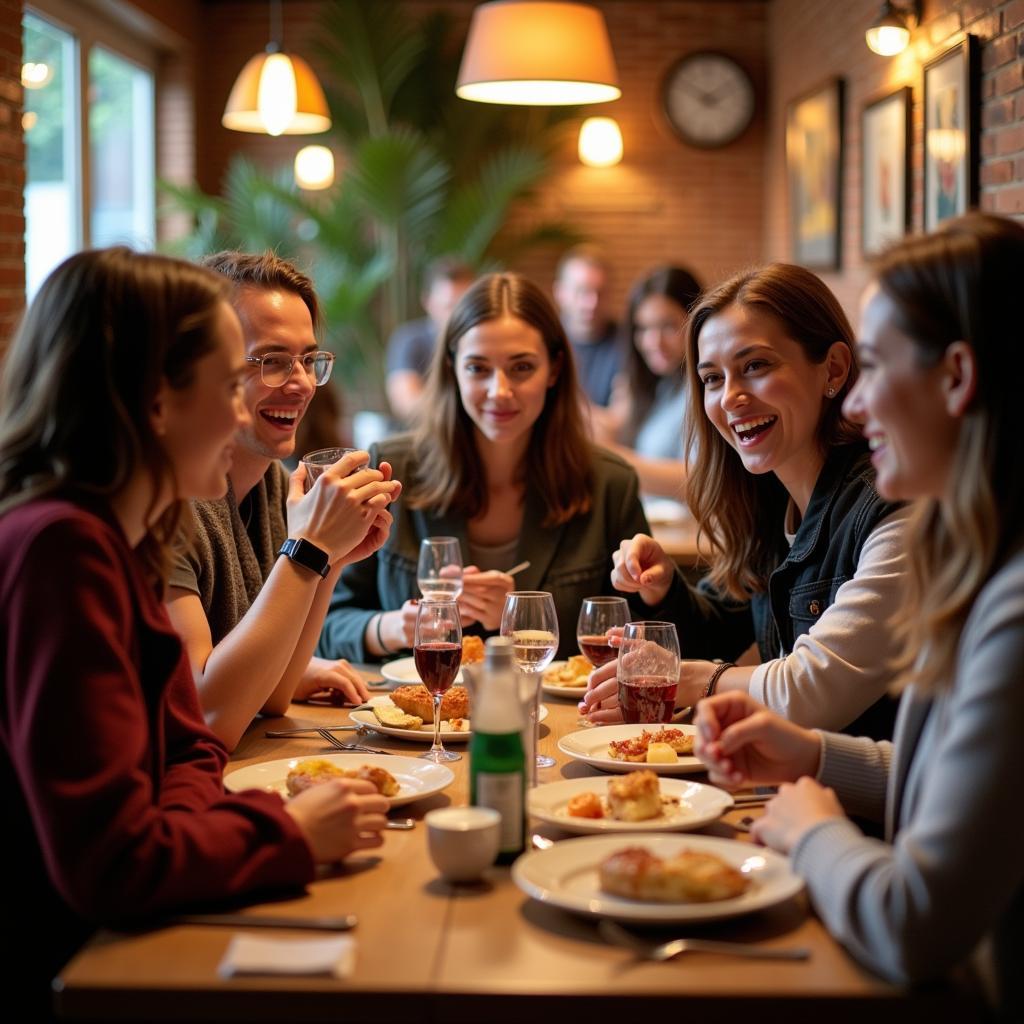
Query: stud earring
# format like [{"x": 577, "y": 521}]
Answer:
[{"x": 831, "y": 391}]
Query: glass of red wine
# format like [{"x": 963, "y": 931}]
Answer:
[
  {"x": 437, "y": 651},
  {"x": 597, "y": 616},
  {"x": 648, "y": 671}
]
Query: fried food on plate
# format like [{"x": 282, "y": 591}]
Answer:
[
  {"x": 635, "y": 797},
  {"x": 585, "y": 805},
  {"x": 573, "y": 673},
  {"x": 688, "y": 877},
  {"x": 472, "y": 650},
  {"x": 416, "y": 700},
  {"x": 635, "y": 748},
  {"x": 314, "y": 771}
]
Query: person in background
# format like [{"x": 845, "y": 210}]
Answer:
[
  {"x": 645, "y": 421},
  {"x": 250, "y": 618},
  {"x": 581, "y": 294},
  {"x": 807, "y": 560},
  {"x": 120, "y": 397},
  {"x": 411, "y": 346},
  {"x": 501, "y": 461},
  {"x": 940, "y": 412}
]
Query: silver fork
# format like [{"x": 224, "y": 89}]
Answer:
[
  {"x": 335, "y": 742},
  {"x": 666, "y": 950}
]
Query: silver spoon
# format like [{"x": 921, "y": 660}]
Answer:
[{"x": 660, "y": 951}]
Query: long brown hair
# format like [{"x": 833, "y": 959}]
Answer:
[
  {"x": 106, "y": 329},
  {"x": 740, "y": 513},
  {"x": 961, "y": 283},
  {"x": 558, "y": 463}
]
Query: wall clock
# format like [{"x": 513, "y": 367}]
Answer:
[{"x": 708, "y": 99}]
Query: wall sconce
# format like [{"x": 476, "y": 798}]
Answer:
[
  {"x": 276, "y": 93},
  {"x": 600, "y": 142},
  {"x": 889, "y": 33},
  {"x": 538, "y": 54},
  {"x": 314, "y": 168}
]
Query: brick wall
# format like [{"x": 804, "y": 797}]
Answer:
[
  {"x": 829, "y": 39},
  {"x": 12, "y": 172}
]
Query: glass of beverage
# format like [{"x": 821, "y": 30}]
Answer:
[
  {"x": 597, "y": 616},
  {"x": 439, "y": 573},
  {"x": 437, "y": 650},
  {"x": 316, "y": 462},
  {"x": 529, "y": 620},
  {"x": 648, "y": 671}
]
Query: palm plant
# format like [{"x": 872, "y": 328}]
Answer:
[{"x": 424, "y": 174}]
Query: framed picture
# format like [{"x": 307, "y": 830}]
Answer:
[
  {"x": 814, "y": 159},
  {"x": 951, "y": 133},
  {"x": 885, "y": 177}
]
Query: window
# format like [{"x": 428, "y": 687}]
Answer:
[{"x": 90, "y": 138}]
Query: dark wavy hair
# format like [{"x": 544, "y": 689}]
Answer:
[
  {"x": 558, "y": 462},
  {"x": 684, "y": 290},
  {"x": 106, "y": 330},
  {"x": 734, "y": 508}
]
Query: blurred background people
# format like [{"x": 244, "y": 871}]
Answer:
[{"x": 411, "y": 347}]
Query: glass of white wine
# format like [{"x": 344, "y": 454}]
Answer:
[
  {"x": 529, "y": 620},
  {"x": 439, "y": 572}
]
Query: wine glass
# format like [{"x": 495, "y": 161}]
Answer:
[
  {"x": 648, "y": 671},
  {"x": 439, "y": 572},
  {"x": 437, "y": 650},
  {"x": 597, "y": 616},
  {"x": 529, "y": 620}
]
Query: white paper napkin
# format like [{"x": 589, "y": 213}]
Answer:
[{"x": 256, "y": 954}]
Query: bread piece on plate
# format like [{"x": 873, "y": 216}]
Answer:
[
  {"x": 472, "y": 650},
  {"x": 681, "y": 742},
  {"x": 396, "y": 718},
  {"x": 458, "y": 725},
  {"x": 386, "y": 783},
  {"x": 311, "y": 772},
  {"x": 688, "y": 877},
  {"x": 635, "y": 797},
  {"x": 416, "y": 700}
]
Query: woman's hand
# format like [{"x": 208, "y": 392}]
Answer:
[
  {"x": 339, "y": 817},
  {"x": 797, "y": 808},
  {"x": 600, "y": 703},
  {"x": 642, "y": 567},
  {"x": 324, "y": 678},
  {"x": 342, "y": 506},
  {"x": 483, "y": 596},
  {"x": 741, "y": 741}
]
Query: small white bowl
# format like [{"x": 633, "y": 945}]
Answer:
[{"x": 463, "y": 841}]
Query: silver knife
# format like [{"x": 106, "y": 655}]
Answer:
[{"x": 340, "y": 923}]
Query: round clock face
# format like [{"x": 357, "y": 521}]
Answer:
[{"x": 709, "y": 99}]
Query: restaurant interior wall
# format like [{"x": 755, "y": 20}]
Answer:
[
  {"x": 810, "y": 41},
  {"x": 12, "y": 171}
]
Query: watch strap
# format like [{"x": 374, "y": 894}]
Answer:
[{"x": 308, "y": 555}]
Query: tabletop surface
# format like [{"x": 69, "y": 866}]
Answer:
[{"x": 428, "y": 950}]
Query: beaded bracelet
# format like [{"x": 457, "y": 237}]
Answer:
[
  {"x": 709, "y": 689},
  {"x": 380, "y": 640}
]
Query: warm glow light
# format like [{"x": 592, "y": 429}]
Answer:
[
  {"x": 533, "y": 53},
  {"x": 948, "y": 144},
  {"x": 887, "y": 40},
  {"x": 314, "y": 167},
  {"x": 262, "y": 96},
  {"x": 275, "y": 96},
  {"x": 29, "y": 120},
  {"x": 35, "y": 75},
  {"x": 600, "y": 142}
]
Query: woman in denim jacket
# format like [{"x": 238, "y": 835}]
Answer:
[
  {"x": 500, "y": 460},
  {"x": 806, "y": 558}
]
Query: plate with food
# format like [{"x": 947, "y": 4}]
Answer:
[
  {"x": 403, "y": 670},
  {"x": 637, "y": 802},
  {"x": 654, "y": 879},
  {"x": 567, "y": 678},
  {"x": 408, "y": 714},
  {"x": 665, "y": 749},
  {"x": 401, "y": 779}
]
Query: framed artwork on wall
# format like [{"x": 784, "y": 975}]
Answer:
[
  {"x": 951, "y": 132},
  {"x": 885, "y": 177},
  {"x": 814, "y": 162}
]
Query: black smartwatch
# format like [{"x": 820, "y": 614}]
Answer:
[{"x": 309, "y": 556}]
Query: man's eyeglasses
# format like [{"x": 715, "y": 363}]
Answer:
[{"x": 276, "y": 367}]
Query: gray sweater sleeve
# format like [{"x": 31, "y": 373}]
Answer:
[{"x": 912, "y": 909}]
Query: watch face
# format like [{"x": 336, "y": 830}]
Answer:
[{"x": 709, "y": 99}]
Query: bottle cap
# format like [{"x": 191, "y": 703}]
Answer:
[{"x": 498, "y": 651}]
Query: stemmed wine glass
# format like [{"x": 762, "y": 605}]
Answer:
[
  {"x": 438, "y": 653},
  {"x": 439, "y": 572},
  {"x": 529, "y": 620},
  {"x": 597, "y": 616},
  {"x": 648, "y": 671}
]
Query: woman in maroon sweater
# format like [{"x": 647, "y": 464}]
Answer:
[{"x": 119, "y": 399}]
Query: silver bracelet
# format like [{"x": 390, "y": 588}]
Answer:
[{"x": 712, "y": 682}]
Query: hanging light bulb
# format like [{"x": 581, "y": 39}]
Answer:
[
  {"x": 889, "y": 34},
  {"x": 600, "y": 143},
  {"x": 314, "y": 168}
]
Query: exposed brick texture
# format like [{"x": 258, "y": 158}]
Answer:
[{"x": 12, "y": 172}]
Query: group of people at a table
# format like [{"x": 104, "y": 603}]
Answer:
[{"x": 862, "y": 500}]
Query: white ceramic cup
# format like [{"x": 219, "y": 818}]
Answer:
[{"x": 463, "y": 841}]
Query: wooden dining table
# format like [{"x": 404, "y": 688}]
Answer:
[{"x": 427, "y": 950}]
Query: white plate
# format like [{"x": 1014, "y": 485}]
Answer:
[
  {"x": 591, "y": 747},
  {"x": 416, "y": 778},
  {"x": 698, "y": 805},
  {"x": 566, "y": 875},
  {"x": 557, "y": 690},
  {"x": 403, "y": 670},
  {"x": 424, "y": 734}
]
